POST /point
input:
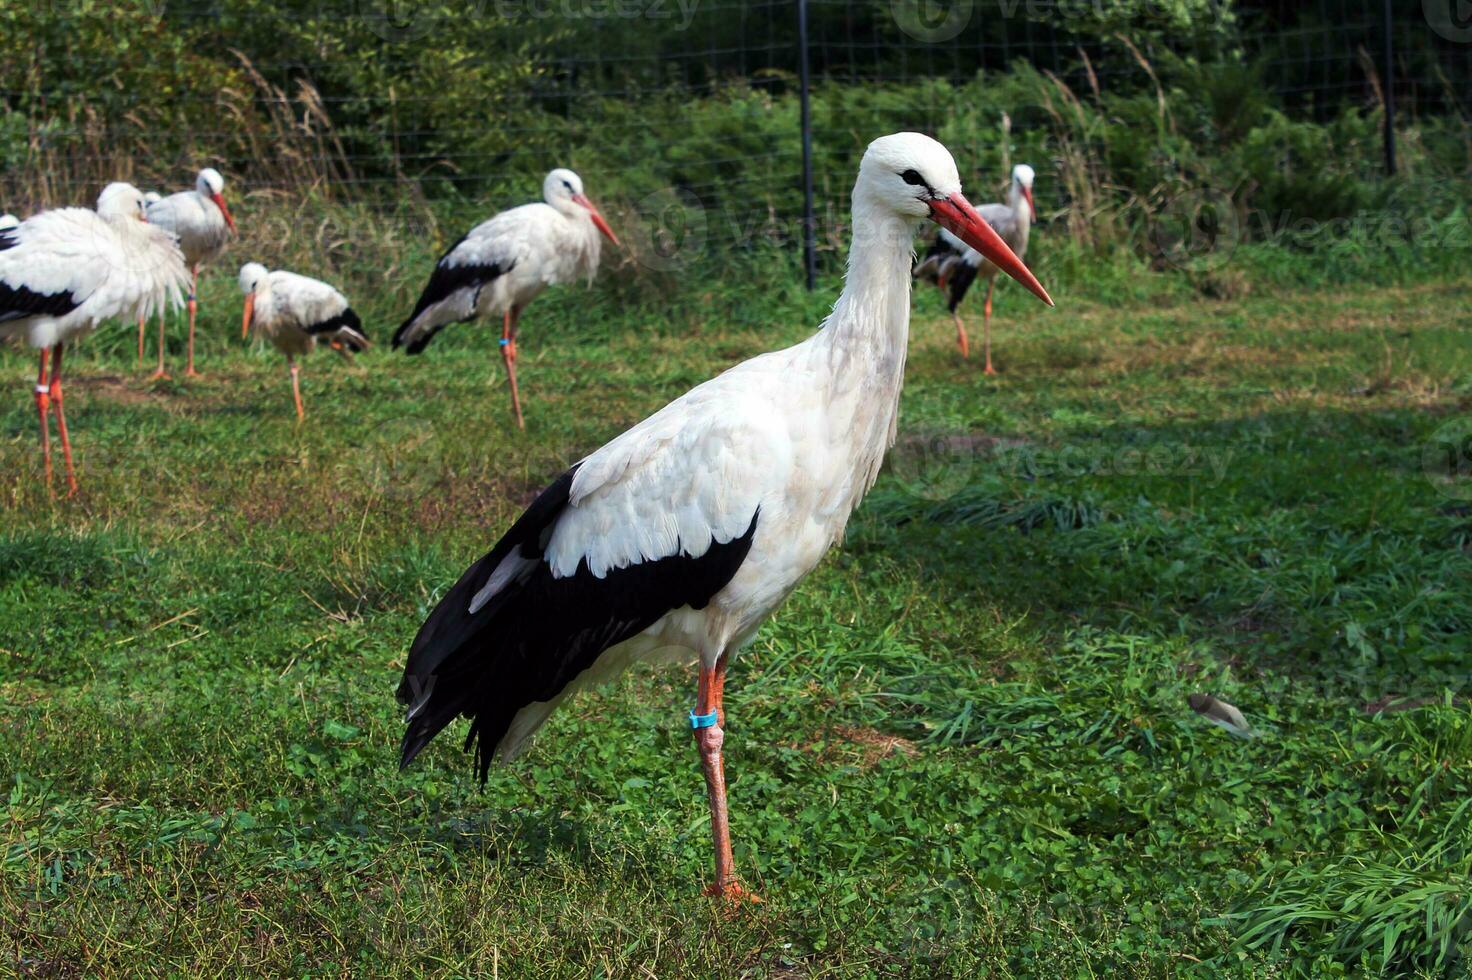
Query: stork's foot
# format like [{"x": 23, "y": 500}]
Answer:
[
  {"x": 191, "y": 373},
  {"x": 733, "y": 893},
  {"x": 160, "y": 375},
  {"x": 989, "y": 370}
]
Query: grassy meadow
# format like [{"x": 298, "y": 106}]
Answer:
[{"x": 962, "y": 749}]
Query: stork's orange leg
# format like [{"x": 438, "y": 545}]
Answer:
[
  {"x": 986, "y": 329},
  {"x": 66, "y": 443},
  {"x": 43, "y": 405},
  {"x": 296, "y": 389},
  {"x": 142, "y": 329},
  {"x": 508, "y": 355},
  {"x": 962, "y": 341},
  {"x": 708, "y": 719},
  {"x": 189, "y": 371}
]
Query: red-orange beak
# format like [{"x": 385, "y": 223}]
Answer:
[
  {"x": 956, "y": 215},
  {"x": 250, "y": 314},
  {"x": 597, "y": 218},
  {"x": 1027, "y": 193},
  {"x": 220, "y": 203}
]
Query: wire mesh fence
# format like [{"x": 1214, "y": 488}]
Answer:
[{"x": 690, "y": 105}]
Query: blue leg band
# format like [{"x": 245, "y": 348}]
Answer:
[{"x": 698, "y": 722}]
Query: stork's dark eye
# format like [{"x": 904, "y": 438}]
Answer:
[
  {"x": 568, "y": 185},
  {"x": 912, "y": 177}
]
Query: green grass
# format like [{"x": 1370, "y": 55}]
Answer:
[{"x": 963, "y": 747}]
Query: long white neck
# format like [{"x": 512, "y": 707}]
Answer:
[
  {"x": 585, "y": 242},
  {"x": 862, "y": 344}
]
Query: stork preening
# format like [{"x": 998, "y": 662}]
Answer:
[
  {"x": 676, "y": 540},
  {"x": 502, "y": 264},
  {"x": 203, "y": 225},
  {"x": 953, "y": 265},
  {"x": 63, "y": 272},
  {"x": 296, "y": 313}
]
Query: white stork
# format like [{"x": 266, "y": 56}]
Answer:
[
  {"x": 295, "y": 312},
  {"x": 63, "y": 272},
  {"x": 203, "y": 225},
  {"x": 676, "y": 540},
  {"x": 953, "y": 265},
  {"x": 502, "y": 264}
]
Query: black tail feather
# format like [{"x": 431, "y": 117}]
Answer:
[{"x": 349, "y": 330}]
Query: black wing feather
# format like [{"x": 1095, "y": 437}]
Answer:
[
  {"x": 18, "y": 302},
  {"x": 539, "y": 633},
  {"x": 962, "y": 276},
  {"x": 943, "y": 263},
  {"x": 355, "y": 337},
  {"x": 445, "y": 281}
]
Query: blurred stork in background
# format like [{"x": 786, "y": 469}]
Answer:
[
  {"x": 953, "y": 265},
  {"x": 502, "y": 264},
  {"x": 203, "y": 225},
  {"x": 676, "y": 540},
  {"x": 295, "y": 313},
  {"x": 63, "y": 272},
  {"x": 149, "y": 198}
]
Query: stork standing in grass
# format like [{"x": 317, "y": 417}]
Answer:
[
  {"x": 953, "y": 265},
  {"x": 63, "y": 272},
  {"x": 502, "y": 264},
  {"x": 295, "y": 313},
  {"x": 676, "y": 540},
  {"x": 149, "y": 198},
  {"x": 203, "y": 225}
]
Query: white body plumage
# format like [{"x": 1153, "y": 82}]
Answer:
[
  {"x": 197, "y": 217},
  {"x": 67, "y": 270}
]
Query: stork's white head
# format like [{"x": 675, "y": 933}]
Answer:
[
  {"x": 912, "y": 176},
  {"x": 563, "y": 189},
  {"x": 252, "y": 278},
  {"x": 906, "y": 171},
  {"x": 209, "y": 182},
  {"x": 561, "y": 185},
  {"x": 252, "y": 274},
  {"x": 211, "y": 185},
  {"x": 1022, "y": 177},
  {"x": 152, "y": 197},
  {"x": 120, "y": 200}
]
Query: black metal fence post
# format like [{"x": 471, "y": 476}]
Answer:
[
  {"x": 809, "y": 221},
  {"x": 1389, "y": 72}
]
